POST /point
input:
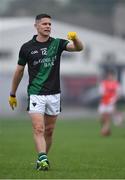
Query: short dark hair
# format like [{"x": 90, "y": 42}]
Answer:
[
  {"x": 111, "y": 71},
  {"x": 40, "y": 16}
]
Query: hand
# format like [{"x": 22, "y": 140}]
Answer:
[
  {"x": 72, "y": 35},
  {"x": 12, "y": 102}
]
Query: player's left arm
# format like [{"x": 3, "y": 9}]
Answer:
[
  {"x": 76, "y": 44},
  {"x": 119, "y": 91},
  {"x": 117, "y": 96}
]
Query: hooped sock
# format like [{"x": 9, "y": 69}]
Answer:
[{"x": 42, "y": 157}]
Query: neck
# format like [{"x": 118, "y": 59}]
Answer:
[{"x": 42, "y": 38}]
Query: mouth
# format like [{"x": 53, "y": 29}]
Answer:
[{"x": 48, "y": 31}]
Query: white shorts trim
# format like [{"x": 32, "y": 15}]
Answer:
[
  {"x": 45, "y": 104},
  {"x": 108, "y": 108}
]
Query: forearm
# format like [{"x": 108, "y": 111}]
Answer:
[
  {"x": 78, "y": 44},
  {"x": 16, "y": 80}
]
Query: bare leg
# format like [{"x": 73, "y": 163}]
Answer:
[
  {"x": 50, "y": 122},
  {"x": 38, "y": 131},
  {"x": 105, "y": 121}
]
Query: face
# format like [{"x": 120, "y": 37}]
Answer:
[
  {"x": 110, "y": 76},
  {"x": 43, "y": 26}
]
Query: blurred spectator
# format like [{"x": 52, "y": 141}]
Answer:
[{"x": 110, "y": 91}]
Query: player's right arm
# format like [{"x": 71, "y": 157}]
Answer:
[
  {"x": 101, "y": 89},
  {"x": 17, "y": 78},
  {"x": 18, "y": 74},
  {"x": 15, "y": 83}
]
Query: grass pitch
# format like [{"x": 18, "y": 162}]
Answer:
[{"x": 78, "y": 151}]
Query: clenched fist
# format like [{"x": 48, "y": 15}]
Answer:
[{"x": 72, "y": 35}]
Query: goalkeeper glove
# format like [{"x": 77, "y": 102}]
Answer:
[
  {"x": 12, "y": 101},
  {"x": 72, "y": 35}
]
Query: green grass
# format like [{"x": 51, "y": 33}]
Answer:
[{"x": 78, "y": 151}]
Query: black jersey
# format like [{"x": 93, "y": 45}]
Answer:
[{"x": 43, "y": 60}]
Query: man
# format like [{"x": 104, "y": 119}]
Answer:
[
  {"x": 42, "y": 55},
  {"x": 110, "y": 92}
]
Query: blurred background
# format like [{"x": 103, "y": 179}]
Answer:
[{"x": 100, "y": 24}]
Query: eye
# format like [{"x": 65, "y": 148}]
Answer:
[{"x": 45, "y": 24}]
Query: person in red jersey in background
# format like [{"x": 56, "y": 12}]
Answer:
[{"x": 110, "y": 91}]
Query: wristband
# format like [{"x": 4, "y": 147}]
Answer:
[{"x": 12, "y": 95}]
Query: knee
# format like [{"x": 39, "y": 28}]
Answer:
[
  {"x": 39, "y": 130},
  {"x": 49, "y": 131}
]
